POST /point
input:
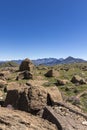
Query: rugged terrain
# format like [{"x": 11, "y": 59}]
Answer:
[{"x": 43, "y": 97}]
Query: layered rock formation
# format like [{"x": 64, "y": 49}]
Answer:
[{"x": 17, "y": 120}]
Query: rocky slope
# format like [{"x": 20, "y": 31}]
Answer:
[
  {"x": 33, "y": 104},
  {"x": 17, "y": 120}
]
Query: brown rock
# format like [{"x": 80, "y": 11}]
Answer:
[
  {"x": 14, "y": 94},
  {"x": 26, "y": 65},
  {"x": 57, "y": 119},
  {"x": 38, "y": 98},
  {"x": 78, "y": 79},
  {"x": 24, "y": 75},
  {"x": 31, "y": 98},
  {"x": 54, "y": 95},
  {"x": 4, "y": 75},
  {"x": 17, "y": 120},
  {"x": 26, "y": 97},
  {"x": 62, "y": 81},
  {"x": 64, "y": 118},
  {"x": 52, "y": 73}
]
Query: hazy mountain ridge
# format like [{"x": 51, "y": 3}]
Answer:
[{"x": 51, "y": 61}]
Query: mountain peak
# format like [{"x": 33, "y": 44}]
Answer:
[{"x": 70, "y": 57}]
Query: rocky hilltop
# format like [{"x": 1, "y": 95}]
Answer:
[{"x": 40, "y": 98}]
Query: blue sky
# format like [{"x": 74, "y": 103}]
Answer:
[{"x": 43, "y": 28}]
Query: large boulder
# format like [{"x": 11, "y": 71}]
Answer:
[
  {"x": 78, "y": 79},
  {"x": 38, "y": 98},
  {"x": 26, "y": 97},
  {"x": 14, "y": 91},
  {"x": 52, "y": 73},
  {"x": 26, "y": 65},
  {"x": 31, "y": 98}
]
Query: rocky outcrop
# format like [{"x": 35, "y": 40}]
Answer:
[
  {"x": 31, "y": 98},
  {"x": 65, "y": 116},
  {"x": 52, "y": 73},
  {"x": 45, "y": 102},
  {"x": 78, "y": 79},
  {"x": 38, "y": 98},
  {"x": 64, "y": 119},
  {"x": 13, "y": 120},
  {"x": 26, "y": 97},
  {"x": 26, "y": 65}
]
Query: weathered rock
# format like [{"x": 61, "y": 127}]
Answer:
[
  {"x": 31, "y": 98},
  {"x": 26, "y": 98},
  {"x": 57, "y": 119},
  {"x": 26, "y": 65},
  {"x": 14, "y": 94},
  {"x": 62, "y": 81},
  {"x": 17, "y": 120},
  {"x": 54, "y": 95},
  {"x": 24, "y": 75},
  {"x": 78, "y": 79},
  {"x": 4, "y": 75},
  {"x": 64, "y": 119},
  {"x": 38, "y": 98},
  {"x": 52, "y": 73}
]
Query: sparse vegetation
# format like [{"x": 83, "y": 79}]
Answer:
[
  {"x": 44, "y": 89},
  {"x": 8, "y": 64},
  {"x": 65, "y": 72}
]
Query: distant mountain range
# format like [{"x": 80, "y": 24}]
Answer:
[
  {"x": 51, "y": 61},
  {"x": 54, "y": 61}
]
